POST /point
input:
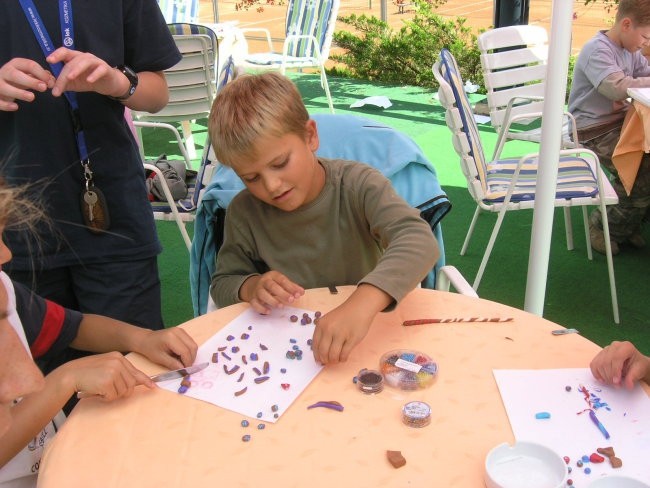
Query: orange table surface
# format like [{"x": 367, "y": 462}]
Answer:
[{"x": 162, "y": 439}]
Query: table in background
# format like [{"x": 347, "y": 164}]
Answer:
[{"x": 161, "y": 439}]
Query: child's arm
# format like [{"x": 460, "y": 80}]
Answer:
[
  {"x": 615, "y": 85},
  {"x": 108, "y": 375},
  {"x": 172, "y": 348},
  {"x": 340, "y": 330},
  {"x": 621, "y": 363},
  {"x": 268, "y": 291}
]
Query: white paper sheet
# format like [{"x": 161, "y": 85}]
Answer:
[
  {"x": 269, "y": 336},
  {"x": 626, "y": 418}
]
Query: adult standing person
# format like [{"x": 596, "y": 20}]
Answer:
[{"x": 101, "y": 256}]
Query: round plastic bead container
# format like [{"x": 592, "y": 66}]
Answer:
[{"x": 408, "y": 370}]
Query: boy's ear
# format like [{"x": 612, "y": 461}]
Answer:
[{"x": 311, "y": 135}]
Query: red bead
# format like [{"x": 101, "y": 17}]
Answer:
[
  {"x": 566, "y": 459},
  {"x": 285, "y": 386}
]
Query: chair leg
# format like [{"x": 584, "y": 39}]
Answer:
[
  {"x": 470, "y": 231},
  {"x": 323, "y": 80},
  {"x": 189, "y": 139},
  {"x": 610, "y": 263},
  {"x": 568, "y": 227},
  {"x": 585, "y": 220},
  {"x": 488, "y": 249}
]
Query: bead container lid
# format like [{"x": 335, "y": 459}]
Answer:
[{"x": 408, "y": 370}]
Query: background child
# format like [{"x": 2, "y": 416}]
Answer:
[
  {"x": 609, "y": 64},
  {"x": 29, "y": 323},
  {"x": 304, "y": 222}
]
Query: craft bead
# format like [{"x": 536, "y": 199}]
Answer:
[
  {"x": 587, "y": 470},
  {"x": 259, "y": 415},
  {"x": 585, "y": 458},
  {"x": 566, "y": 459},
  {"x": 275, "y": 408},
  {"x": 292, "y": 341},
  {"x": 230, "y": 338},
  {"x": 569, "y": 482},
  {"x": 246, "y": 438},
  {"x": 293, "y": 318},
  {"x": 244, "y": 423},
  {"x": 542, "y": 415},
  {"x": 317, "y": 314},
  {"x": 261, "y": 426},
  {"x": 579, "y": 463},
  {"x": 283, "y": 370},
  {"x": 567, "y": 388}
]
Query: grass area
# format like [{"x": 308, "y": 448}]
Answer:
[{"x": 577, "y": 289}]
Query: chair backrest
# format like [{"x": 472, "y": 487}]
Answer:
[
  {"x": 315, "y": 18},
  {"x": 209, "y": 162},
  {"x": 460, "y": 120},
  {"x": 179, "y": 10},
  {"x": 191, "y": 81},
  {"x": 393, "y": 153},
  {"x": 514, "y": 62}
]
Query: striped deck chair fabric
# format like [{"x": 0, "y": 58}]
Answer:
[
  {"x": 510, "y": 184},
  {"x": 309, "y": 29},
  {"x": 179, "y": 10}
]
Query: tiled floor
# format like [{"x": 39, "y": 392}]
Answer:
[{"x": 479, "y": 14}]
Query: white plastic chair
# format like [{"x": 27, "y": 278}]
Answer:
[
  {"x": 501, "y": 185},
  {"x": 191, "y": 85},
  {"x": 309, "y": 31},
  {"x": 514, "y": 61},
  {"x": 184, "y": 211}
]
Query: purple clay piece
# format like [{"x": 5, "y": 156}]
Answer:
[
  {"x": 234, "y": 369},
  {"x": 331, "y": 404},
  {"x": 230, "y": 338},
  {"x": 263, "y": 347},
  {"x": 254, "y": 356},
  {"x": 292, "y": 341},
  {"x": 261, "y": 379},
  {"x": 266, "y": 367},
  {"x": 241, "y": 377},
  {"x": 303, "y": 321},
  {"x": 235, "y": 349},
  {"x": 241, "y": 392},
  {"x": 222, "y": 348},
  {"x": 215, "y": 357},
  {"x": 244, "y": 336},
  {"x": 244, "y": 360},
  {"x": 225, "y": 355},
  {"x": 182, "y": 389},
  {"x": 257, "y": 371},
  {"x": 283, "y": 370}
]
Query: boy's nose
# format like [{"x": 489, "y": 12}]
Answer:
[{"x": 272, "y": 184}]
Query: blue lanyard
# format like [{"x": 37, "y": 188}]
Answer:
[{"x": 44, "y": 40}]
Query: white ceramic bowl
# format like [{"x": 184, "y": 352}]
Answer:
[
  {"x": 524, "y": 464},
  {"x": 617, "y": 482}
]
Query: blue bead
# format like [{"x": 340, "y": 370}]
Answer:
[
  {"x": 259, "y": 415},
  {"x": 585, "y": 459},
  {"x": 587, "y": 470},
  {"x": 261, "y": 426},
  {"x": 244, "y": 423}
]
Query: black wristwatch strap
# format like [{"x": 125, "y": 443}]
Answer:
[{"x": 132, "y": 76}]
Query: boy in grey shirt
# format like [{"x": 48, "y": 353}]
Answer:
[{"x": 609, "y": 64}]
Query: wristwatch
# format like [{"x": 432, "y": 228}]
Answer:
[{"x": 132, "y": 76}]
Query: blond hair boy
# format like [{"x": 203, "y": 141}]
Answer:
[{"x": 308, "y": 222}]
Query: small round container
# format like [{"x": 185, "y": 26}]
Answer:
[
  {"x": 408, "y": 370},
  {"x": 416, "y": 414},
  {"x": 370, "y": 381},
  {"x": 524, "y": 464},
  {"x": 615, "y": 481}
]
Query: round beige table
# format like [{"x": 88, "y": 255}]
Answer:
[{"x": 162, "y": 439}]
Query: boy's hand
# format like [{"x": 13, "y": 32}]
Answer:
[
  {"x": 84, "y": 72},
  {"x": 109, "y": 376},
  {"x": 20, "y": 77},
  {"x": 270, "y": 290},
  {"x": 172, "y": 348},
  {"x": 620, "y": 363},
  {"x": 338, "y": 331}
]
